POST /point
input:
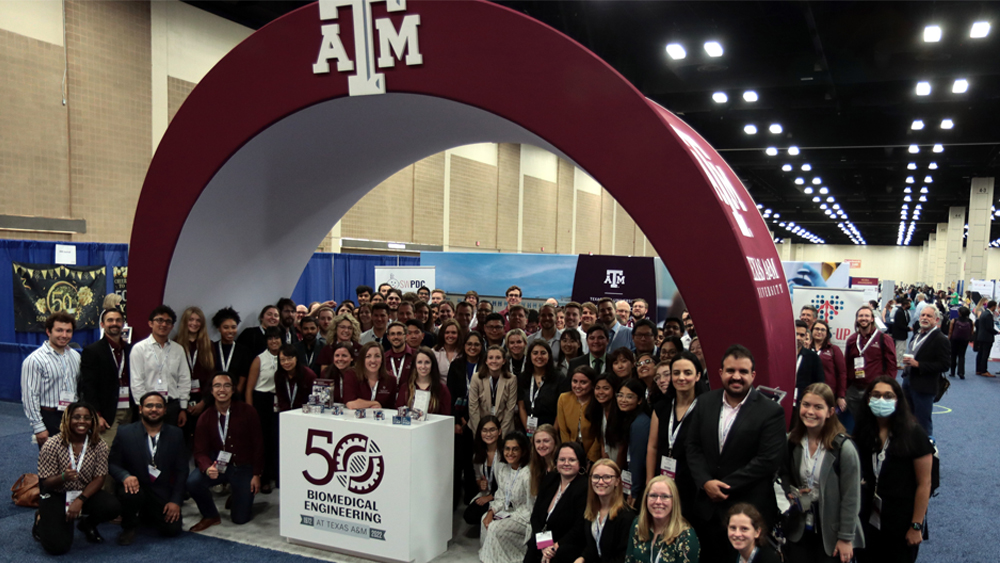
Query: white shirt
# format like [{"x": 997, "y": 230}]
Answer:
[
  {"x": 44, "y": 374},
  {"x": 150, "y": 363},
  {"x": 268, "y": 367},
  {"x": 368, "y": 336},
  {"x": 727, "y": 417}
]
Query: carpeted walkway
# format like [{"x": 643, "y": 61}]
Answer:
[{"x": 960, "y": 517}]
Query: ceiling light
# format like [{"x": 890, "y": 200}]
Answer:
[
  {"x": 979, "y": 30},
  {"x": 914, "y": 149},
  {"x": 771, "y": 151},
  {"x": 676, "y": 51},
  {"x": 824, "y": 191},
  {"x": 750, "y": 129},
  {"x": 799, "y": 181},
  {"x": 917, "y": 125},
  {"x": 907, "y": 190},
  {"x": 836, "y": 206},
  {"x": 928, "y": 180},
  {"x": 713, "y": 48},
  {"x": 775, "y": 128},
  {"x": 923, "y": 190},
  {"x": 777, "y": 214},
  {"x": 750, "y": 96},
  {"x": 909, "y": 179},
  {"x": 923, "y": 198},
  {"x": 923, "y": 88},
  {"x": 932, "y": 34},
  {"x": 960, "y": 86},
  {"x": 911, "y": 166},
  {"x": 938, "y": 148},
  {"x": 907, "y": 199},
  {"x": 806, "y": 167},
  {"x": 816, "y": 199},
  {"x": 932, "y": 166},
  {"x": 947, "y": 124},
  {"x": 720, "y": 97},
  {"x": 829, "y": 199},
  {"x": 808, "y": 191},
  {"x": 817, "y": 181},
  {"x": 793, "y": 151},
  {"x": 919, "y": 206},
  {"x": 767, "y": 211},
  {"x": 823, "y": 206},
  {"x": 781, "y": 224},
  {"x": 786, "y": 168}
]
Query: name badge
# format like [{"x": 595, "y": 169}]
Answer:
[
  {"x": 153, "y": 473},
  {"x": 543, "y": 540},
  {"x": 66, "y": 398},
  {"x": 195, "y": 385},
  {"x": 859, "y": 368},
  {"x": 668, "y": 466},
  {"x": 493, "y": 410},
  {"x": 223, "y": 461},
  {"x": 876, "y": 517},
  {"x": 123, "y": 397},
  {"x": 73, "y": 495},
  {"x": 276, "y": 403},
  {"x": 161, "y": 387},
  {"x": 532, "y": 424},
  {"x": 501, "y": 515},
  {"x": 627, "y": 481}
]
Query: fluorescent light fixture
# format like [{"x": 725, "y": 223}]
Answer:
[
  {"x": 817, "y": 181},
  {"x": 750, "y": 96},
  {"x": 914, "y": 149},
  {"x": 907, "y": 190},
  {"x": 907, "y": 199},
  {"x": 928, "y": 180},
  {"x": 960, "y": 86},
  {"x": 823, "y": 206},
  {"x": 750, "y": 129},
  {"x": 782, "y": 224},
  {"x": 806, "y": 167},
  {"x": 923, "y": 198},
  {"x": 909, "y": 179},
  {"x": 911, "y": 166},
  {"x": 808, "y": 191},
  {"x": 676, "y": 51},
  {"x": 771, "y": 151},
  {"x": 799, "y": 181},
  {"x": 824, "y": 191},
  {"x": 816, "y": 199},
  {"x": 829, "y": 199},
  {"x": 836, "y": 206},
  {"x": 768, "y": 211},
  {"x": 932, "y": 166},
  {"x": 923, "y": 88},
  {"x": 923, "y": 189},
  {"x": 932, "y": 34},
  {"x": 917, "y": 125},
  {"x": 713, "y": 48},
  {"x": 938, "y": 148},
  {"x": 979, "y": 30},
  {"x": 786, "y": 168},
  {"x": 720, "y": 97},
  {"x": 947, "y": 124},
  {"x": 919, "y": 206},
  {"x": 793, "y": 151},
  {"x": 777, "y": 214},
  {"x": 775, "y": 128}
]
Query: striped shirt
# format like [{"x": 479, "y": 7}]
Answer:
[
  {"x": 44, "y": 374},
  {"x": 153, "y": 368}
]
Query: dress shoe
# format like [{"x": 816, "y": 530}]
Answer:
[
  {"x": 229, "y": 502},
  {"x": 126, "y": 537},
  {"x": 205, "y": 524},
  {"x": 266, "y": 489},
  {"x": 34, "y": 528},
  {"x": 90, "y": 532}
]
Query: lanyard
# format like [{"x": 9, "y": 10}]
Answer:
[
  {"x": 224, "y": 432},
  {"x": 67, "y": 370},
  {"x": 309, "y": 359},
  {"x": 599, "y": 530},
  {"x": 73, "y": 462},
  {"x": 861, "y": 351},
  {"x": 555, "y": 501},
  {"x": 813, "y": 461},
  {"x": 520, "y": 368},
  {"x": 489, "y": 472},
  {"x": 374, "y": 390},
  {"x": 533, "y": 394},
  {"x": 878, "y": 459},
  {"x": 153, "y": 446},
  {"x": 292, "y": 391},
  {"x": 509, "y": 489},
  {"x": 192, "y": 359},
  {"x": 397, "y": 369},
  {"x": 159, "y": 351},
  {"x": 120, "y": 365},
  {"x": 752, "y": 555},
  {"x": 918, "y": 342},
  {"x": 223, "y": 360},
  {"x": 673, "y": 432}
]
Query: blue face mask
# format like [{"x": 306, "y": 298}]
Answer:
[{"x": 882, "y": 407}]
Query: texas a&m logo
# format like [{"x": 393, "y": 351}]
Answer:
[{"x": 392, "y": 44}]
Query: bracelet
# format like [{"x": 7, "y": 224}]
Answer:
[
  {"x": 84, "y": 497},
  {"x": 64, "y": 476}
]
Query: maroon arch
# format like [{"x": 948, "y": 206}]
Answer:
[{"x": 482, "y": 56}]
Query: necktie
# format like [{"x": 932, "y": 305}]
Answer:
[{"x": 598, "y": 366}]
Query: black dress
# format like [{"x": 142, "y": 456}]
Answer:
[
  {"x": 546, "y": 398},
  {"x": 614, "y": 538},
  {"x": 685, "y": 482},
  {"x": 566, "y": 520}
]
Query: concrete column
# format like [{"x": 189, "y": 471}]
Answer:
[
  {"x": 922, "y": 262},
  {"x": 953, "y": 248},
  {"x": 942, "y": 252},
  {"x": 929, "y": 267},
  {"x": 980, "y": 201}
]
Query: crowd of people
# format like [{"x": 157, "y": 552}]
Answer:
[{"x": 583, "y": 432}]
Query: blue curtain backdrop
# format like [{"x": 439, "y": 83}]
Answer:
[{"x": 326, "y": 275}]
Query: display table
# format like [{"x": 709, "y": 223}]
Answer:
[{"x": 366, "y": 487}]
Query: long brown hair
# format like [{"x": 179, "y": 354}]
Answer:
[
  {"x": 64, "y": 424},
  {"x": 359, "y": 363},
  {"x": 205, "y": 355},
  {"x": 439, "y": 344},
  {"x": 831, "y": 427},
  {"x": 435, "y": 378},
  {"x": 539, "y": 464},
  {"x": 594, "y": 503},
  {"x": 484, "y": 371}
]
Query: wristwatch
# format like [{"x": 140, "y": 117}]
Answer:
[{"x": 917, "y": 526}]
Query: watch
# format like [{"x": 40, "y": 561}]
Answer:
[{"x": 917, "y": 526}]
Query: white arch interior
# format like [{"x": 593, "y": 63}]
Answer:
[{"x": 260, "y": 218}]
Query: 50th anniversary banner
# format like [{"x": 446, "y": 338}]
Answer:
[{"x": 43, "y": 289}]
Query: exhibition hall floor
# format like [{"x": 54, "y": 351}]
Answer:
[{"x": 961, "y": 517}]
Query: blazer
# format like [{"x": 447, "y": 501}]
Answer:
[
  {"x": 985, "y": 330},
  {"x": 584, "y": 360},
  {"x": 810, "y": 371},
  {"x": 614, "y": 538},
  {"x": 566, "y": 521},
  {"x": 130, "y": 457},
  {"x": 934, "y": 356},
  {"x": 481, "y": 402},
  {"x": 753, "y": 453},
  {"x": 900, "y": 327},
  {"x": 99, "y": 382},
  {"x": 839, "y": 497},
  {"x": 458, "y": 386}
]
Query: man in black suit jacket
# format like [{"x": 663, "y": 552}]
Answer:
[
  {"x": 900, "y": 328},
  {"x": 150, "y": 463},
  {"x": 985, "y": 334},
  {"x": 928, "y": 357},
  {"x": 809, "y": 368},
  {"x": 736, "y": 443},
  {"x": 104, "y": 375},
  {"x": 597, "y": 357}
]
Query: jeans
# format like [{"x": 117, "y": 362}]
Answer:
[
  {"x": 922, "y": 404},
  {"x": 238, "y": 477}
]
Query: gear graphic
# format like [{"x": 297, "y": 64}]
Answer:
[{"x": 359, "y": 463}]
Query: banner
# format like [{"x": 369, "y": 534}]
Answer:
[
  {"x": 120, "y": 281},
  {"x": 836, "y": 307},
  {"x": 868, "y": 285},
  {"x": 616, "y": 277},
  {"x": 43, "y": 289},
  {"x": 983, "y": 287},
  {"x": 816, "y": 274},
  {"x": 405, "y": 278}
]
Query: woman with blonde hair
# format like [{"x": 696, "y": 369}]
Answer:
[
  {"x": 344, "y": 329},
  {"x": 192, "y": 335},
  {"x": 660, "y": 533},
  {"x": 609, "y": 517},
  {"x": 543, "y": 455}
]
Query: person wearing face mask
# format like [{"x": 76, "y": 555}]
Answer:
[
  {"x": 504, "y": 524},
  {"x": 928, "y": 357},
  {"x": 493, "y": 391},
  {"x": 460, "y": 375},
  {"x": 571, "y": 419},
  {"x": 425, "y": 378},
  {"x": 869, "y": 354},
  {"x": 557, "y": 523},
  {"x": 543, "y": 455},
  {"x": 608, "y": 518},
  {"x": 897, "y": 458},
  {"x": 822, "y": 478},
  {"x": 660, "y": 533},
  {"x": 539, "y": 389},
  {"x": 747, "y": 532}
]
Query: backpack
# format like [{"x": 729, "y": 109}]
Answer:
[{"x": 961, "y": 330}]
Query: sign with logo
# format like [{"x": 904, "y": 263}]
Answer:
[
  {"x": 405, "y": 278},
  {"x": 854, "y": 264},
  {"x": 617, "y": 277},
  {"x": 868, "y": 285},
  {"x": 365, "y": 486},
  {"x": 43, "y": 289},
  {"x": 835, "y": 307}
]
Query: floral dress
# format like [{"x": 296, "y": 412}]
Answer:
[
  {"x": 504, "y": 541},
  {"x": 684, "y": 549}
]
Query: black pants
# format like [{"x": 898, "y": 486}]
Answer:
[
  {"x": 52, "y": 421},
  {"x": 474, "y": 513},
  {"x": 145, "y": 506},
  {"x": 809, "y": 549},
  {"x": 57, "y": 533},
  {"x": 983, "y": 356},
  {"x": 264, "y": 404},
  {"x": 958, "y": 349},
  {"x": 172, "y": 412},
  {"x": 714, "y": 541},
  {"x": 465, "y": 476},
  {"x": 886, "y": 547}
]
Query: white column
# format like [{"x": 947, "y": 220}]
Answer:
[
  {"x": 158, "y": 29},
  {"x": 953, "y": 248},
  {"x": 980, "y": 201}
]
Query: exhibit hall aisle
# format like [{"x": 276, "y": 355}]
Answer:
[{"x": 961, "y": 517}]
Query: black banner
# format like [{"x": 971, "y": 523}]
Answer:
[
  {"x": 43, "y": 289},
  {"x": 120, "y": 279},
  {"x": 617, "y": 277}
]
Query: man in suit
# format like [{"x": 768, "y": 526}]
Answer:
[
  {"x": 104, "y": 377},
  {"x": 929, "y": 356},
  {"x": 808, "y": 367},
  {"x": 985, "y": 334},
  {"x": 149, "y": 461},
  {"x": 619, "y": 336},
  {"x": 596, "y": 357},
  {"x": 900, "y": 328},
  {"x": 736, "y": 443}
]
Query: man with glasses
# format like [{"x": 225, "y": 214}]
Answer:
[
  {"x": 159, "y": 364},
  {"x": 104, "y": 375},
  {"x": 228, "y": 448},
  {"x": 513, "y": 298},
  {"x": 644, "y": 337},
  {"x": 493, "y": 330},
  {"x": 48, "y": 377},
  {"x": 150, "y": 463}
]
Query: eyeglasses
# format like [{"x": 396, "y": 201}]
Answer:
[
  {"x": 81, "y": 417},
  {"x": 222, "y": 386},
  {"x": 627, "y": 396},
  {"x": 642, "y": 335},
  {"x": 660, "y": 497},
  {"x": 154, "y": 406},
  {"x": 600, "y": 478},
  {"x": 490, "y": 430},
  {"x": 494, "y": 327},
  {"x": 162, "y": 321},
  {"x": 887, "y": 396},
  {"x": 645, "y": 362}
]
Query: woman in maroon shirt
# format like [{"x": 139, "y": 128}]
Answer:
[
  {"x": 427, "y": 378},
  {"x": 834, "y": 368},
  {"x": 293, "y": 382},
  {"x": 373, "y": 387}
]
